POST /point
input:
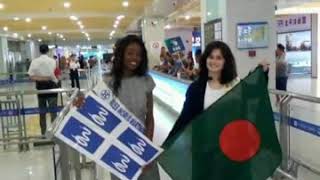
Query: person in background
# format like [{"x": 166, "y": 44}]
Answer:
[
  {"x": 81, "y": 62},
  {"x": 281, "y": 70},
  {"x": 196, "y": 67},
  {"x": 177, "y": 67},
  {"x": 42, "y": 72},
  {"x": 74, "y": 74},
  {"x": 188, "y": 66}
]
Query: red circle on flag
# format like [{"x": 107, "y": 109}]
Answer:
[{"x": 240, "y": 140}]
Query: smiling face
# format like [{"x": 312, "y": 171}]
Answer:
[
  {"x": 215, "y": 61},
  {"x": 132, "y": 57}
]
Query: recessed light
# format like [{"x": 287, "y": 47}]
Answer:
[
  {"x": 115, "y": 26},
  {"x": 78, "y": 46},
  {"x": 16, "y": 18},
  {"x": 1, "y": 6},
  {"x": 64, "y": 39},
  {"x": 67, "y": 4},
  {"x": 89, "y": 39},
  {"x": 81, "y": 26},
  {"x": 79, "y": 23},
  {"x": 209, "y": 13},
  {"x": 49, "y": 33},
  {"x": 168, "y": 26},
  {"x": 125, "y": 3},
  {"x": 58, "y": 34},
  {"x": 29, "y": 35},
  {"x": 110, "y": 37},
  {"x": 15, "y": 35},
  {"x": 117, "y": 22},
  {"x": 83, "y": 32},
  {"x": 61, "y": 36},
  {"x": 40, "y": 40},
  {"x": 44, "y": 28},
  {"x": 74, "y": 18},
  {"x": 120, "y": 17},
  {"x": 5, "y": 28},
  {"x": 28, "y": 20},
  {"x": 187, "y": 17}
]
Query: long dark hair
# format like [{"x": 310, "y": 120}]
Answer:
[
  {"x": 229, "y": 71},
  {"x": 118, "y": 63}
]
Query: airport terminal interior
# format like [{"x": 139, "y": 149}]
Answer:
[{"x": 81, "y": 39}]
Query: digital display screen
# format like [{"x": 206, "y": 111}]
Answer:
[{"x": 252, "y": 35}]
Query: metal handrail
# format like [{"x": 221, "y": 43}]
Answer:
[
  {"x": 284, "y": 133},
  {"x": 295, "y": 95}
]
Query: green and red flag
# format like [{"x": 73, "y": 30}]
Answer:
[{"x": 234, "y": 139}]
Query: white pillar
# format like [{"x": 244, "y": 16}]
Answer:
[
  {"x": 3, "y": 56},
  {"x": 315, "y": 51},
  {"x": 153, "y": 33},
  {"x": 243, "y": 11}
]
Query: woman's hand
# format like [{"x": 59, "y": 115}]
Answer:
[
  {"x": 79, "y": 101},
  {"x": 265, "y": 65}
]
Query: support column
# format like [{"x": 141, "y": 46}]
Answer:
[
  {"x": 153, "y": 34},
  {"x": 243, "y": 11},
  {"x": 3, "y": 56}
]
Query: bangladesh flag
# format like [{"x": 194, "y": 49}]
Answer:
[{"x": 234, "y": 139}]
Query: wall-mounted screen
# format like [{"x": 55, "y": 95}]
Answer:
[{"x": 252, "y": 35}]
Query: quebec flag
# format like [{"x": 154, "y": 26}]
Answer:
[{"x": 109, "y": 136}]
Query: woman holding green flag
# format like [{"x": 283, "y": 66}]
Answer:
[{"x": 218, "y": 75}]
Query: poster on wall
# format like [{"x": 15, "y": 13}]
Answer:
[
  {"x": 175, "y": 45},
  {"x": 252, "y": 35},
  {"x": 298, "y": 50},
  {"x": 213, "y": 31}
]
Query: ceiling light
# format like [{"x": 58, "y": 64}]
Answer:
[
  {"x": 79, "y": 23},
  {"x": 5, "y": 28},
  {"x": 1, "y": 6},
  {"x": 83, "y": 32},
  {"x": 16, "y": 18},
  {"x": 15, "y": 35},
  {"x": 44, "y": 28},
  {"x": 78, "y": 46},
  {"x": 81, "y": 26},
  {"x": 110, "y": 37},
  {"x": 74, "y": 18},
  {"x": 115, "y": 26},
  {"x": 120, "y": 17},
  {"x": 168, "y": 26},
  {"x": 187, "y": 17},
  {"x": 209, "y": 13},
  {"x": 64, "y": 39},
  {"x": 58, "y": 34},
  {"x": 67, "y": 4},
  {"x": 49, "y": 33},
  {"x": 125, "y": 3},
  {"x": 29, "y": 35},
  {"x": 28, "y": 20},
  {"x": 117, "y": 22},
  {"x": 61, "y": 36},
  {"x": 40, "y": 40},
  {"x": 89, "y": 39}
]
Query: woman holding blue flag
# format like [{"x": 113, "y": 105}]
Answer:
[{"x": 131, "y": 84}]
